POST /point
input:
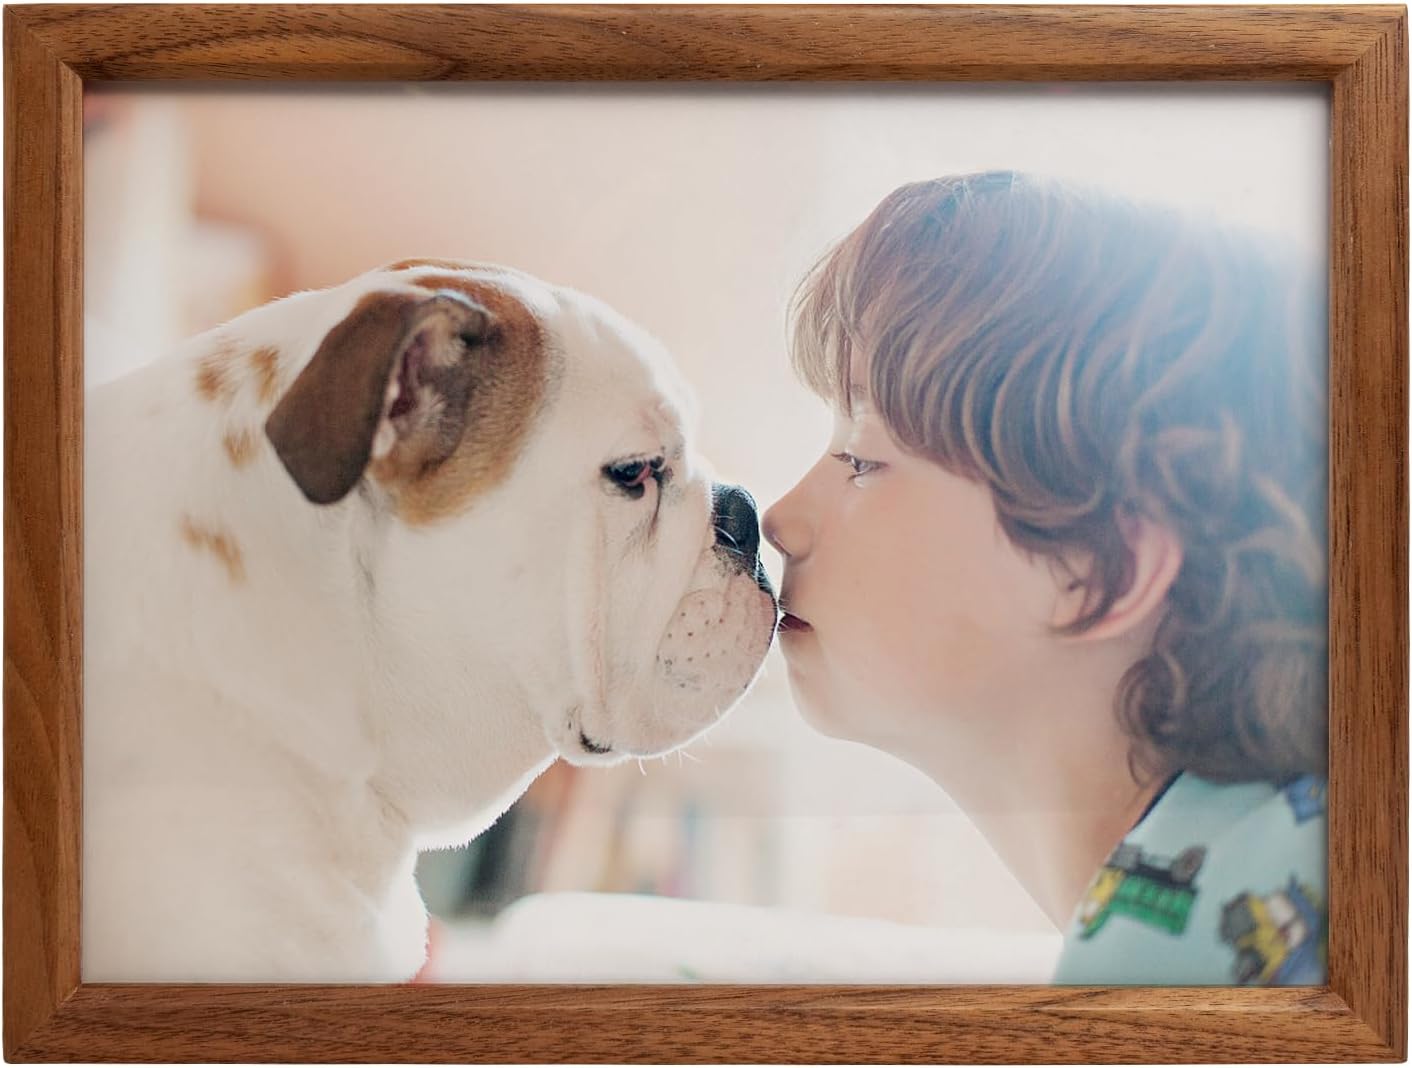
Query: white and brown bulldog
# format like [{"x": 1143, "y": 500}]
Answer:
[{"x": 359, "y": 565}]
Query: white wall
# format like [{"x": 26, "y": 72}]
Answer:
[{"x": 696, "y": 210}]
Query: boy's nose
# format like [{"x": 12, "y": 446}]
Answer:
[
  {"x": 790, "y": 524},
  {"x": 772, "y": 527}
]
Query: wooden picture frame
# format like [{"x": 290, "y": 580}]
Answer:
[{"x": 53, "y": 51}]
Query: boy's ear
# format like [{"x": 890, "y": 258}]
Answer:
[{"x": 1157, "y": 557}]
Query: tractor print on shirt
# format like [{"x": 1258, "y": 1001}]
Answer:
[
  {"x": 1151, "y": 890},
  {"x": 1279, "y": 938}
]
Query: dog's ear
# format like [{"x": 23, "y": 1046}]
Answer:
[{"x": 389, "y": 384}]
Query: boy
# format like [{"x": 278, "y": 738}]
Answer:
[{"x": 1066, "y": 555}]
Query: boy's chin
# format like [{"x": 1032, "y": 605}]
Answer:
[{"x": 817, "y": 714}]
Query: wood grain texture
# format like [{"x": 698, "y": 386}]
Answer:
[
  {"x": 695, "y": 1024},
  {"x": 1368, "y": 539},
  {"x": 698, "y": 43},
  {"x": 50, "y": 51},
  {"x": 43, "y": 585}
]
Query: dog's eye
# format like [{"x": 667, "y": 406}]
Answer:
[{"x": 631, "y": 475}]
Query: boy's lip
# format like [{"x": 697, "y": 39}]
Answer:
[{"x": 789, "y": 622}]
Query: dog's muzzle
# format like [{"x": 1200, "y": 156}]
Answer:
[{"x": 737, "y": 522}]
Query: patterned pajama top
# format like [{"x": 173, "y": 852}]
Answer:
[{"x": 1216, "y": 885}]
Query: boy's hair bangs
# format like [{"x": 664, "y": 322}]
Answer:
[{"x": 821, "y": 337}]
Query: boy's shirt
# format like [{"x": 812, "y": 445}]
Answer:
[{"x": 1215, "y": 885}]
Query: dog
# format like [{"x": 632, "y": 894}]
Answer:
[{"x": 359, "y": 565}]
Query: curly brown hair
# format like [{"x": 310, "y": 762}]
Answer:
[{"x": 1086, "y": 357}]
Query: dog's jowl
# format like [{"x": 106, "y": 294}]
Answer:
[{"x": 359, "y": 565}]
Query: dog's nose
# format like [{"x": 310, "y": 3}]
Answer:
[
  {"x": 736, "y": 520},
  {"x": 737, "y": 523}
]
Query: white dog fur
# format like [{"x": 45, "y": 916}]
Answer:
[{"x": 285, "y": 700}]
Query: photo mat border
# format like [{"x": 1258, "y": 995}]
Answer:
[{"x": 53, "y": 51}]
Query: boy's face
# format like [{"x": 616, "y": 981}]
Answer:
[{"x": 912, "y": 618}]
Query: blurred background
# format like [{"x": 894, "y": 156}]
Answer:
[{"x": 765, "y": 853}]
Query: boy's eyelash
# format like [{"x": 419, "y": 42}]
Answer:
[{"x": 860, "y": 467}]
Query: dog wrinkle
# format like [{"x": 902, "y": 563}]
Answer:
[
  {"x": 366, "y": 583},
  {"x": 443, "y": 265},
  {"x": 221, "y": 545}
]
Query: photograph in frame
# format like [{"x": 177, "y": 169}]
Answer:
[
  {"x": 215, "y": 546},
  {"x": 746, "y": 854}
]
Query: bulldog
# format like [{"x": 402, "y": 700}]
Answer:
[{"x": 359, "y": 564}]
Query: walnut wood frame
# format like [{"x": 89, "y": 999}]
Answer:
[{"x": 51, "y": 52}]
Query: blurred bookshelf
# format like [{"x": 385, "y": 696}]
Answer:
[
  {"x": 762, "y": 811},
  {"x": 691, "y": 830},
  {"x": 765, "y": 854}
]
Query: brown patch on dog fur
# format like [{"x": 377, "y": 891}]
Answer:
[
  {"x": 443, "y": 265},
  {"x": 265, "y": 363},
  {"x": 511, "y": 378},
  {"x": 215, "y": 373},
  {"x": 218, "y": 543},
  {"x": 240, "y": 446}
]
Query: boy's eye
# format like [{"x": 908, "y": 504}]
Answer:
[{"x": 860, "y": 466}]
